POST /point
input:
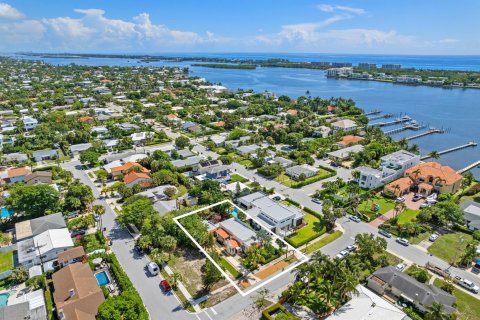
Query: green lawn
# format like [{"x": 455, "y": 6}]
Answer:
[
  {"x": 237, "y": 178},
  {"x": 385, "y": 205},
  {"x": 323, "y": 242},
  {"x": 6, "y": 261},
  {"x": 181, "y": 190},
  {"x": 246, "y": 163},
  {"x": 407, "y": 216},
  {"x": 468, "y": 307},
  {"x": 285, "y": 180},
  {"x": 314, "y": 229},
  {"x": 450, "y": 247},
  {"x": 228, "y": 267}
]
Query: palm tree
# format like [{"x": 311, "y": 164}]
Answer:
[
  {"x": 99, "y": 210},
  {"x": 434, "y": 155},
  {"x": 346, "y": 284},
  {"x": 175, "y": 278},
  {"x": 437, "y": 312},
  {"x": 416, "y": 173},
  {"x": 254, "y": 256}
]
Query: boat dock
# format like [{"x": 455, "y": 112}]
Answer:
[
  {"x": 390, "y": 123},
  {"x": 469, "y": 167},
  {"x": 383, "y": 116},
  {"x": 408, "y": 126},
  {"x": 470, "y": 144},
  {"x": 369, "y": 113},
  {"x": 431, "y": 131}
]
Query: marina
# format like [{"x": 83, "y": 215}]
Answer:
[
  {"x": 463, "y": 146},
  {"x": 391, "y": 123}
]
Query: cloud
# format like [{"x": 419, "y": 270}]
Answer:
[
  {"x": 447, "y": 40},
  {"x": 332, "y": 8},
  {"x": 9, "y": 12},
  {"x": 307, "y": 31}
]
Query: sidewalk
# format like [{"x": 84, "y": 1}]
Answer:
[
  {"x": 382, "y": 219},
  {"x": 184, "y": 291}
]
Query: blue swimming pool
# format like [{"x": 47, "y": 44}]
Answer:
[
  {"x": 4, "y": 299},
  {"x": 102, "y": 278},
  {"x": 5, "y": 213}
]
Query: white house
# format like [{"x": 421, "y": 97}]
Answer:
[
  {"x": 392, "y": 167},
  {"x": 296, "y": 171},
  {"x": 345, "y": 125},
  {"x": 44, "y": 247},
  {"x": 29, "y": 123},
  {"x": 345, "y": 153}
]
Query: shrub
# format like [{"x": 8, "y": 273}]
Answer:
[{"x": 279, "y": 311}]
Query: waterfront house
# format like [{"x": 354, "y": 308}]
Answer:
[
  {"x": 77, "y": 294},
  {"x": 306, "y": 170},
  {"x": 399, "y": 187},
  {"x": 33, "y": 227},
  {"x": 471, "y": 214},
  {"x": 433, "y": 176},
  {"x": 45, "y": 155},
  {"x": 348, "y": 140},
  {"x": 390, "y": 282},
  {"x": 344, "y": 124}
]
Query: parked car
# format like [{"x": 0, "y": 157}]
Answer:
[
  {"x": 351, "y": 248},
  {"x": 165, "y": 286},
  {"x": 72, "y": 214},
  {"x": 403, "y": 241},
  {"x": 433, "y": 237},
  {"x": 138, "y": 250},
  {"x": 277, "y": 198},
  {"x": 424, "y": 205},
  {"x": 417, "y": 197},
  {"x": 153, "y": 268},
  {"x": 384, "y": 233},
  {"x": 469, "y": 285},
  {"x": 400, "y": 199},
  {"x": 77, "y": 232},
  {"x": 342, "y": 254},
  {"x": 400, "y": 266},
  {"x": 316, "y": 200},
  {"x": 355, "y": 218}
]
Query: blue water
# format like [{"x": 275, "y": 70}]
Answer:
[
  {"x": 5, "y": 213},
  {"x": 456, "y": 109},
  {"x": 235, "y": 212},
  {"x": 4, "y": 299},
  {"x": 102, "y": 278}
]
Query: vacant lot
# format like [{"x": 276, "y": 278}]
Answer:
[
  {"x": 285, "y": 180},
  {"x": 189, "y": 263},
  {"x": 407, "y": 216},
  {"x": 450, "y": 247},
  {"x": 385, "y": 205}
]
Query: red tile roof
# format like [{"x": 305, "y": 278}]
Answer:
[
  {"x": 433, "y": 170},
  {"x": 18, "y": 172},
  {"x": 222, "y": 233},
  {"x": 133, "y": 176}
]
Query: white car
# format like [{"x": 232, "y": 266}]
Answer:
[
  {"x": 153, "y": 268},
  {"x": 400, "y": 199},
  {"x": 469, "y": 285},
  {"x": 400, "y": 266},
  {"x": 355, "y": 218},
  {"x": 351, "y": 248},
  {"x": 424, "y": 205},
  {"x": 342, "y": 254},
  {"x": 433, "y": 237},
  {"x": 316, "y": 200},
  {"x": 403, "y": 242}
]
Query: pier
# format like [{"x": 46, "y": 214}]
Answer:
[
  {"x": 469, "y": 167},
  {"x": 431, "y": 131},
  {"x": 383, "y": 116},
  {"x": 390, "y": 123},
  {"x": 369, "y": 113},
  {"x": 463, "y": 146},
  {"x": 410, "y": 126}
]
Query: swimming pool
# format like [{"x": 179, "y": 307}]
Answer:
[
  {"x": 102, "y": 278},
  {"x": 5, "y": 213},
  {"x": 4, "y": 299}
]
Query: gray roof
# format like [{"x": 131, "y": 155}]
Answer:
[
  {"x": 417, "y": 291},
  {"x": 345, "y": 152},
  {"x": 80, "y": 147},
  {"x": 185, "y": 153},
  {"x": 20, "y": 157},
  {"x": 29, "y": 306},
  {"x": 238, "y": 229},
  {"x": 17, "y": 311},
  {"x": 275, "y": 210},
  {"x": 471, "y": 210},
  {"x": 248, "y": 149},
  {"x": 51, "y": 152},
  {"x": 186, "y": 162},
  {"x": 42, "y": 224},
  {"x": 282, "y": 160},
  {"x": 304, "y": 168},
  {"x": 400, "y": 155},
  {"x": 252, "y": 197}
]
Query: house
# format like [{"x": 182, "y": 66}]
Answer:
[
  {"x": 392, "y": 166},
  {"x": 29, "y": 305},
  {"x": 306, "y": 170},
  {"x": 15, "y": 157},
  {"x": 45, "y": 155},
  {"x": 77, "y": 294},
  {"x": 44, "y": 247},
  {"x": 284, "y": 162},
  {"x": 292, "y": 112},
  {"x": 322, "y": 131},
  {"x": 127, "y": 126},
  {"x": 127, "y": 167},
  {"x": 187, "y": 125},
  {"x": 205, "y": 165},
  {"x": 17, "y": 174},
  {"x": 218, "y": 139},
  {"x": 366, "y": 305},
  {"x": 235, "y": 235},
  {"x": 183, "y": 153},
  {"x": 432, "y": 176},
  {"x": 76, "y": 149},
  {"x": 133, "y": 178},
  {"x": 235, "y": 143},
  {"x": 471, "y": 214},
  {"x": 345, "y": 153},
  {"x": 99, "y": 130},
  {"x": 345, "y": 125},
  {"x": 218, "y": 124},
  {"x": 277, "y": 217},
  {"x": 188, "y": 162},
  {"x": 70, "y": 256},
  {"x": 139, "y": 138},
  {"x": 389, "y": 281},
  {"x": 30, "y": 228},
  {"x": 172, "y": 117},
  {"x": 218, "y": 173},
  {"x": 29, "y": 123},
  {"x": 348, "y": 140},
  {"x": 245, "y": 150},
  {"x": 39, "y": 177},
  {"x": 399, "y": 187}
]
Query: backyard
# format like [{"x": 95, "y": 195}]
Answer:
[
  {"x": 312, "y": 230},
  {"x": 468, "y": 307},
  {"x": 384, "y": 204},
  {"x": 6, "y": 261},
  {"x": 407, "y": 216},
  {"x": 237, "y": 178},
  {"x": 450, "y": 247},
  {"x": 285, "y": 180}
]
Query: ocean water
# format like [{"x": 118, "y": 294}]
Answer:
[{"x": 457, "y": 110}]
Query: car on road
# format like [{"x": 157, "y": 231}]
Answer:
[
  {"x": 165, "y": 286},
  {"x": 342, "y": 254},
  {"x": 403, "y": 241},
  {"x": 400, "y": 199},
  {"x": 138, "y": 250},
  {"x": 351, "y": 248},
  {"x": 355, "y": 218},
  {"x": 153, "y": 268},
  {"x": 469, "y": 285},
  {"x": 417, "y": 197},
  {"x": 384, "y": 233},
  {"x": 433, "y": 237},
  {"x": 77, "y": 232},
  {"x": 317, "y": 201},
  {"x": 277, "y": 198},
  {"x": 400, "y": 266}
]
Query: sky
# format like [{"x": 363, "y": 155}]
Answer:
[{"x": 440, "y": 27}]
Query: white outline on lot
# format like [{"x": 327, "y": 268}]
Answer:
[{"x": 260, "y": 284}]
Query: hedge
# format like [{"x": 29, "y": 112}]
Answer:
[
  {"x": 267, "y": 313},
  {"x": 303, "y": 242},
  {"x": 295, "y": 203},
  {"x": 314, "y": 213}
]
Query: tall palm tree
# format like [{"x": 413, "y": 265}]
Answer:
[
  {"x": 434, "y": 155},
  {"x": 99, "y": 210},
  {"x": 416, "y": 173},
  {"x": 437, "y": 312},
  {"x": 346, "y": 284}
]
